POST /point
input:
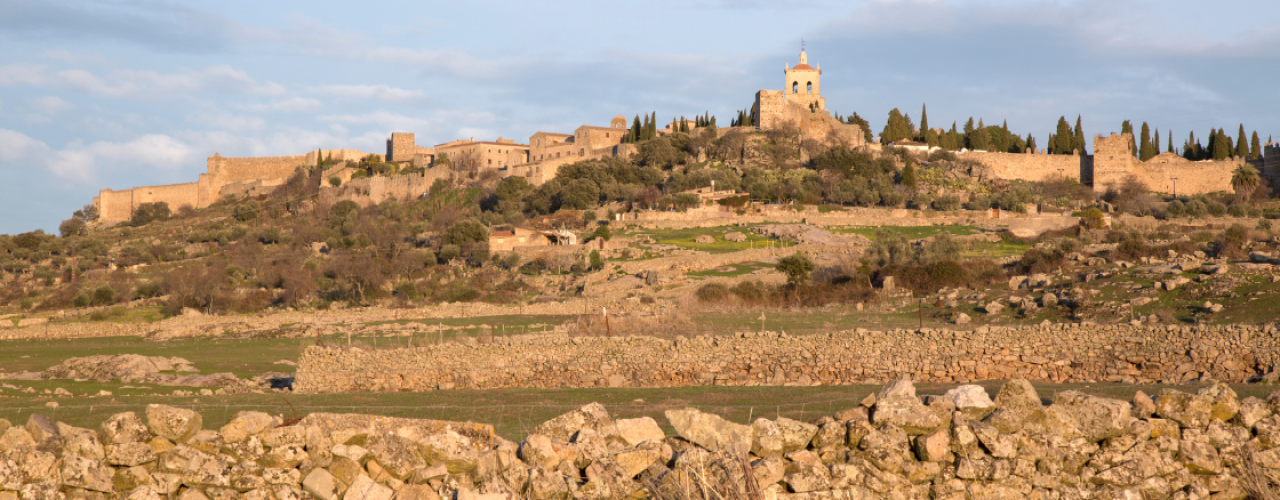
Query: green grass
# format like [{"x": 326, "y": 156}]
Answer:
[
  {"x": 684, "y": 238},
  {"x": 737, "y": 269},
  {"x": 515, "y": 412},
  {"x": 243, "y": 357},
  {"x": 911, "y": 232}
]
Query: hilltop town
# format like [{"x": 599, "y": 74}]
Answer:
[{"x": 757, "y": 304}]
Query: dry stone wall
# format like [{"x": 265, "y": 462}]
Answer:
[
  {"x": 894, "y": 445},
  {"x": 1053, "y": 353}
]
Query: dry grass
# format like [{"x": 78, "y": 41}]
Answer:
[
  {"x": 722, "y": 479},
  {"x": 1252, "y": 479}
]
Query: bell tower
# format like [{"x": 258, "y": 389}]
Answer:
[{"x": 804, "y": 83}]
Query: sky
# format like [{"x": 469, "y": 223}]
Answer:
[{"x": 112, "y": 94}]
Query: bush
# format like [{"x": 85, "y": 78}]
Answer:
[
  {"x": 104, "y": 295},
  {"x": 1092, "y": 218},
  {"x": 947, "y": 203},
  {"x": 1197, "y": 208},
  {"x": 1238, "y": 211},
  {"x": 335, "y": 181},
  {"x": 74, "y": 226},
  {"x": 1176, "y": 208},
  {"x": 797, "y": 267},
  {"x": 1216, "y": 208},
  {"x": 147, "y": 213},
  {"x": 246, "y": 211},
  {"x": 450, "y": 252},
  {"x": 712, "y": 292},
  {"x": 597, "y": 263}
]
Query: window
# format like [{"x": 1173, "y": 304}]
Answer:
[
  {"x": 606, "y": 135},
  {"x": 491, "y": 162},
  {"x": 809, "y": 90},
  {"x": 795, "y": 87}
]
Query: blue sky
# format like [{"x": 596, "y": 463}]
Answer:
[{"x": 123, "y": 93}]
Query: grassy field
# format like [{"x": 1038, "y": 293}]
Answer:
[
  {"x": 911, "y": 232},
  {"x": 514, "y": 412},
  {"x": 684, "y": 238},
  {"x": 732, "y": 270}
]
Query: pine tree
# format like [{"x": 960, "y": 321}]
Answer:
[
  {"x": 1061, "y": 143},
  {"x": 924, "y": 121},
  {"x": 1127, "y": 128},
  {"x": 1077, "y": 137},
  {"x": 1242, "y": 144},
  {"x": 1145, "y": 150},
  {"x": 1255, "y": 148}
]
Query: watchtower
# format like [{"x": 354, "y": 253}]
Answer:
[{"x": 618, "y": 122}]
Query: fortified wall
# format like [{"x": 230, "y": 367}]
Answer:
[
  {"x": 1114, "y": 163},
  {"x": 1057, "y": 353},
  {"x": 370, "y": 191},
  {"x": 1033, "y": 167},
  {"x": 541, "y": 171},
  {"x": 223, "y": 176}
]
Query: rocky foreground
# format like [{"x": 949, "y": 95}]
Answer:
[{"x": 895, "y": 445}]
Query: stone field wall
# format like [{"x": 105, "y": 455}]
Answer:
[
  {"x": 894, "y": 445},
  {"x": 1053, "y": 353}
]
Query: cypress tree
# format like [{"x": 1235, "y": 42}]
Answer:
[
  {"x": 1127, "y": 128},
  {"x": 1077, "y": 137},
  {"x": 1155, "y": 142},
  {"x": 1170, "y": 142},
  {"x": 1031, "y": 143},
  {"x": 1062, "y": 142},
  {"x": 1242, "y": 145},
  {"x": 924, "y": 120},
  {"x": 653, "y": 126},
  {"x": 1222, "y": 146},
  {"x": 981, "y": 139},
  {"x": 1188, "y": 148},
  {"x": 1145, "y": 150},
  {"x": 635, "y": 130},
  {"x": 712, "y": 122},
  {"x": 909, "y": 175},
  {"x": 1255, "y": 148}
]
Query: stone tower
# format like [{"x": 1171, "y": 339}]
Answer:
[
  {"x": 803, "y": 84},
  {"x": 618, "y": 122}
]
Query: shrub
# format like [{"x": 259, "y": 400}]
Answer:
[
  {"x": 1176, "y": 208},
  {"x": 1238, "y": 211},
  {"x": 104, "y": 295},
  {"x": 1216, "y": 208},
  {"x": 146, "y": 290},
  {"x": 335, "y": 181},
  {"x": 947, "y": 203},
  {"x": 246, "y": 211},
  {"x": 797, "y": 267},
  {"x": 597, "y": 263},
  {"x": 1197, "y": 208},
  {"x": 712, "y": 292},
  {"x": 74, "y": 226},
  {"x": 1092, "y": 218},
  {"x": 147, "y": 213},
  {"x": 449, "y": 252}
]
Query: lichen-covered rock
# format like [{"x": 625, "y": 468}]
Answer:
[
  {"x": 780, "y": 436},
  {"x": 364, "y": 488},
  {"x": 1099, "y": 418},
  {"x": 1223, "y": 402},
  {"x": 1187, "y": 410},
  {"x": 125, "y": 427},
  {"x": 970, "y": 400},
  {"x": 81, "y": 472},
  {"x": 710, "y": 431},
  {"x": 592, "y": 416},
  {"x": 246, "y": 424},
  {"x": 638, "y": 430},
  {"x": 898, "y": 405},
  {"x": 933, "y": 447},
  {"x": 174, "y": 424},
  {"x": 129, "y": 454}
]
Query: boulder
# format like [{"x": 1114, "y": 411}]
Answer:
[
  {"x": 86, "y": 473},
  {"x": 592, "y": 416},
  {"x": 638, "y": 430},
  {"x": 364, "y": 488},
  {"x": 735, "y": 237},
  {"x": 415, "y": 492},
  {"x": 781, "y": 436},
  {"x": 1223, "y": 402},
  {"x": 129, "y": 454},
  {"x": 933, "y": 447},
  {"x": 710, "y": 431},
  {"x": 125, "y": 428},
  {"x": 1187, "y": 410},
  {"x": 1099, "y": 418},
  {"x": 963, "y": 319},
  {"x": 174, "y": 424},
  {"x": 970, "y": 400},
  {"x": 898, "y": 405},
  {"x": 704, "y": 238},
  {"x": 247, "y": 423}
]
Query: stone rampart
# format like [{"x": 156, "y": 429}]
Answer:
[
  {"x": 374, "y": 190},
  {"x": 1056, "y": 353},
  {"x": 1115, "y": 164},
  {"x": 1032, "y": 167}
]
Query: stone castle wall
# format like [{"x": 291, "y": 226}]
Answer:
[
  {"x": 1114, "y": 163},
  {"x": 1058, "y": 353},
  {"x": 541, "y": 171},
  {"x": 369, "y": 191},
  {"x": 1271, "y": 165},
  {"x": 1032, "y": 167}
]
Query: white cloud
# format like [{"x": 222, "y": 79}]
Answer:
[
  {"x": 379, "y": 92},
  {"x": 17, "y": 146},
  {"x": 22, "y": 74},
  {"x": 290, "y": 104},
  {"x": 50, "y": 105},
  {"x": 384, "y": 119},
  {"x": 149, "y": 84}
]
